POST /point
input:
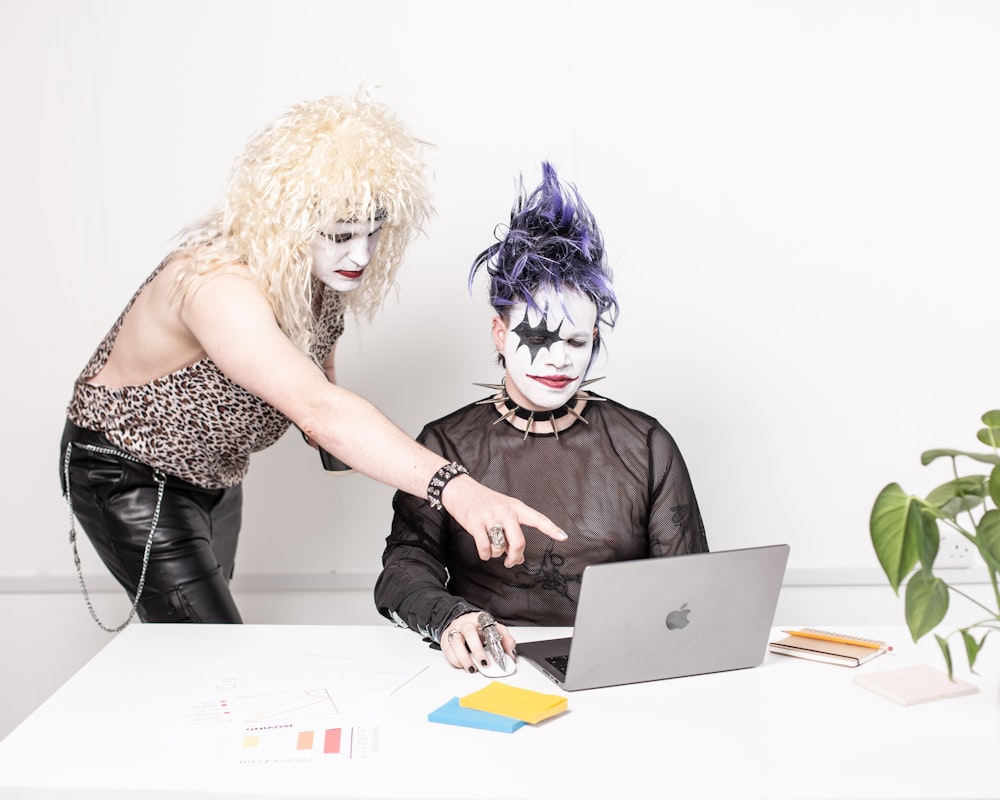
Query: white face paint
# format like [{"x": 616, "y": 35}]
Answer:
[
  {"x": 342, "y": 251},
  {"x": 547, "y": 353}
]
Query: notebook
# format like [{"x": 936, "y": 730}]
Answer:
[
  {"x": 656, "y": 618},
  {"x": 827, "y": 650}
]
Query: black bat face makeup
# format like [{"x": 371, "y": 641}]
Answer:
[
  {"x": 535, "y": 337},
  {"x": 547, "y": 353}
]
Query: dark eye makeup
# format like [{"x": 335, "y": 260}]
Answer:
[{"x": 340, "y": 238}]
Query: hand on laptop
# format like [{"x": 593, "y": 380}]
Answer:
[{"x": 468, "y": 641}]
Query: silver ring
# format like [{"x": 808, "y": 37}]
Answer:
[
  {"x": 497, "y": 537},
  {"x": 453, "y": 633},
  {"x": 485, "y": 620}
]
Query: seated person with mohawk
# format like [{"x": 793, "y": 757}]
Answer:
[{"x": 613, "y": 475}]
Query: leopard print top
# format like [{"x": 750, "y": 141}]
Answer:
[{"x": 194, "y": 423}]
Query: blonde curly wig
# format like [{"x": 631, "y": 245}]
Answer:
[{"x": 324, "y": 160}]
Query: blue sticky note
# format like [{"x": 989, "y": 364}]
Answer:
[{"x": 451, "y": 713}]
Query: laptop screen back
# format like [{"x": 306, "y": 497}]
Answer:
[{"x": 657, "y": 618}]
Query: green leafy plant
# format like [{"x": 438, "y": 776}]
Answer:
[{"x": 904, "y": 530}]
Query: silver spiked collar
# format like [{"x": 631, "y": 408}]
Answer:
[{"x": 530, "y": 421}]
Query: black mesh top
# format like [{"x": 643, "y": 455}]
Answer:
[{"x": 617, "y": 485}]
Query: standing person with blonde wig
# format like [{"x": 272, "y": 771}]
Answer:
[{"x": 231, "y": 340}]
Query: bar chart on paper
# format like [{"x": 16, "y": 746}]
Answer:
[
  {"x": 298, "y": 726},
  {"x": 294, "y": 744},
  {"x": 296, "y": 706},
  {"x": 293, "y": 726}
]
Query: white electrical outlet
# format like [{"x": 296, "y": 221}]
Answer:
[{"x": 955, "y": 551}]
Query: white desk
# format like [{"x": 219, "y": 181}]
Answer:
[{"x": 789, "y": 728}]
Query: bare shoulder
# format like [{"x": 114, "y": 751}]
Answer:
[
  {"x": 153, "y": 340},
  {"x": 233, "y": 321},
  {"x": 224, "y": 301}
]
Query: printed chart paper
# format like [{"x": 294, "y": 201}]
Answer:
[{"x": 268, "y": 708}]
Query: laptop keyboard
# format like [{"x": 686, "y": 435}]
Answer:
[{"x": 559, "y": 662}]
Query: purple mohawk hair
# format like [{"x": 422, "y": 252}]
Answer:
[{"x": 552, "y": 240}]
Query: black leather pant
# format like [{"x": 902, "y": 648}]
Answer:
[{"x": 194, "y": 547}]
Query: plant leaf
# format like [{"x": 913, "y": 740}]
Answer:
[
  {"x": 897, "y": 526},
  {"x": 926, "y": 603},
  {"x": 946, "y": 652},
  {"x": 931, "y": 455},
  {"x": 972, "y": 647},
  {"x": 988, "y": 538},
  {"x": 991, "y": 435},
  {"x": 992, "y": 418},
  {"x": 928, "y": 539},
  {"x": 958, "y": 495},
  {"x": 994, "y": 486}
]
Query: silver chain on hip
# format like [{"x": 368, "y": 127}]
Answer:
[{"x": 161, "y": 481}]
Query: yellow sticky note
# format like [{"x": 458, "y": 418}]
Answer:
[{"x": 511, "y": 701}]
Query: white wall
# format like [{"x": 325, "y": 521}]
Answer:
[{"x": 800, "y": 199}]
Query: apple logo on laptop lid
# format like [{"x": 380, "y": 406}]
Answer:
[{"x": 678, "y": 618}]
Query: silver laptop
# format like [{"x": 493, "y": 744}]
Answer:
[{"x": 656, "y": 618}]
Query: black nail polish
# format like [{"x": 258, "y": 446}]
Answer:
[
  {"x": 485, "y": 663},
  {"x": 472, "y": 669}
]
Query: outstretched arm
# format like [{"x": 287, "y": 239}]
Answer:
[{"x": 232, "y": 320}]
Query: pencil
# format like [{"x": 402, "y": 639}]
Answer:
[{"x": 836, "y": 637}]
